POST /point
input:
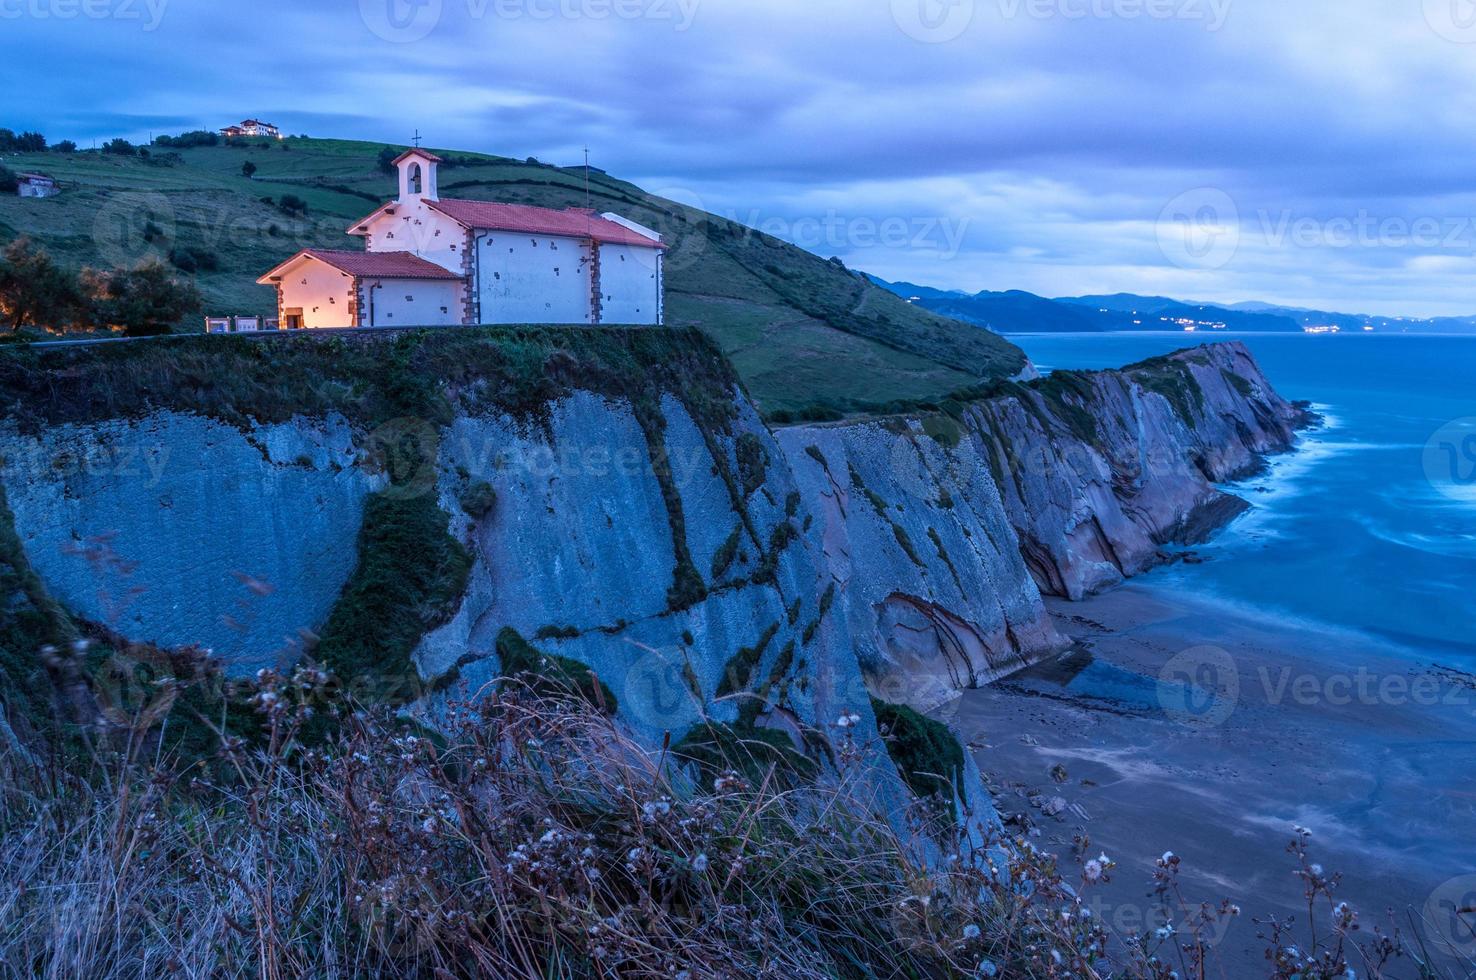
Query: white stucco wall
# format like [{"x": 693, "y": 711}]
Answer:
[
  {"x": 630, "y": 284},
  {"x": 525, "y": 278},
  {"x": 321, "y": 291},
  {"x": 410, "y": 303},
  {"x": 418, "y": 229}
]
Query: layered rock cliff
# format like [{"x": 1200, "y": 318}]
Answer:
[
  {"x": 1100, "y": 470},
  {"x": 608, "y": 499}
]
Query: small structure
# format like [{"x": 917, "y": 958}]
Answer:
[
  {"x": 324, "y": 288},
  {"x": 36, "y": 185},
  {"x": 240, "y": 324},
  {"x": 435, "y": 262},
  {"x": 252, "y": 127}
]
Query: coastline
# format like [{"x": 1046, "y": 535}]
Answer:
[{"x": 1187, "y": 726}]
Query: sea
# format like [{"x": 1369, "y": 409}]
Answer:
[{"x": 1370, "y": 526}]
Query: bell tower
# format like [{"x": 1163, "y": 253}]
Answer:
[{"x": 417, "y": 175}]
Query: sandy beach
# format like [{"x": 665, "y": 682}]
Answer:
[{"x": 1181, "y": 726}]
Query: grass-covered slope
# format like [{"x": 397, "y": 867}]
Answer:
[
  {"x": 373, "y": 378},
  {"x": 801, "y": 330}
]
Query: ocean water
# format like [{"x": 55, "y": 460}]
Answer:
[{"x": 1371, "y": 526}]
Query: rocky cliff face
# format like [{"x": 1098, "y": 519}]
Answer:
[
  {"x": 176, "y": 529},
  {"x": 628, "y": 510},
  {"x": 1099, "y": 470},
  {"x": 685, "y": 572},
  {"x": 912, "y": 530}
]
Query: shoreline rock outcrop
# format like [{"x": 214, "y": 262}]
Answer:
[{"x": 648, "y": 525}]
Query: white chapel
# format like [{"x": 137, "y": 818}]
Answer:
[{"x": 430, "y": 261}]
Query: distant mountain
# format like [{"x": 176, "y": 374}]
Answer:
[
  {"x": 1016, "y": 311},
  {"x": 1122, "y": 302},
  {"x": 1303, "y": 317}
]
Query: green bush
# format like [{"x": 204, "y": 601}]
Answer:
[
  {"x": 926, "y": 753},
  {"x": 549, "y": 675},
  {"x": 478, "y": 500},
  {"x": 753, "y": 462},
  {"x": 195, "y": 137},
  {"x": 187, "y": 259},
  {"x": 409, "y": 577},
  {"x": 142, "y": 301}
]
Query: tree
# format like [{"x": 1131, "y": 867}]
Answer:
[
  {"x": 195, "y": 137},
  {"x": 387, "y": 159},
  {"x": 64, "y": 146},
  {"x": 248, "y": 168},
  {"x": 30, "y": 143},
  {"x": 142, "y": 301},
  {"x": 292, "y": 204},
  {"x": 9, "y": 184},
  {"x": 34, "y": 290},
  {"x": 120, "y": 146}
]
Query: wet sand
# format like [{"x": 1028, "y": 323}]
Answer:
[{"x": 1184, "y": 727}]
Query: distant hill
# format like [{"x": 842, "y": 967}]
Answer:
[
  {"x": 1362, "y": 321},
  {"x": 1129, "y": 312},
  {"x": 1013, "y": 311},
  {"x": 802, "y": 331},
  {"x": 1021, "y": 312},
  {"x": 1257, "y": 316},
  {"x": 1123, "y": 302}
]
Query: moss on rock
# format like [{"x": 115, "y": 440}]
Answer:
[
  {"x": 409, "y": 576},
  {"x": 926, "y": 753},
  {"x": 551, "y": 675}
]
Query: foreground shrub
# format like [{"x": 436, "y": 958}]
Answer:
[{"x": 531, "y": 837}]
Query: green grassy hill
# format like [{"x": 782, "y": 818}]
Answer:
[{"x": 802, "y": 331}]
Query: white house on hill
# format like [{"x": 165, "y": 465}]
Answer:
[
  {"x": 252, "y": 127},
  {"x": 430, "y": 261},
  {"x": 35, "y": 185}
]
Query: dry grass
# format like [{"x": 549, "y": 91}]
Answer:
[{"x": 530, "y": 837}]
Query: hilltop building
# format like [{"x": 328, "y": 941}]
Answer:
[
  {"x": 430, "y": 261},
  {"x": 35, "y": 185},
  {"x": 252, "y": 127}
]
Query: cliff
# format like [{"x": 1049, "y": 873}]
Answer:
[
  {"x": 427, "y": 511},
  {"x": 1100, "y": 470}
]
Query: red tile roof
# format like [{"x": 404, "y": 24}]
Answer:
[
  {"x": 386, "y": 265},
  {"x": 417, "y": 152},
  {"x": 569, "y": 223}
]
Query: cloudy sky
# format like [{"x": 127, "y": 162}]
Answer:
[{"x": 1310, "y": 152}]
